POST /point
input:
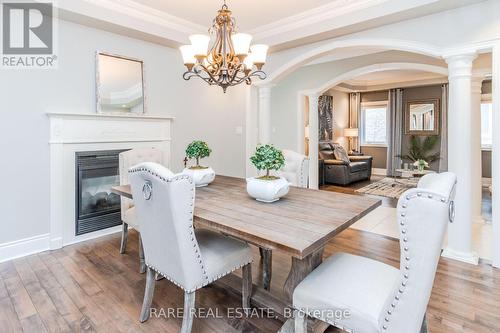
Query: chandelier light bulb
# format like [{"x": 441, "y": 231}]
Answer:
[
  {"x": 188, "y": 55},
  {"x": 241, "y": 43},
  {"x": 259, "y": 52},
  {"x": 200, "y": 45}
]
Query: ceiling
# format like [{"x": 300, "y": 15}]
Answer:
[
  {"x": 281, "y": 24},
  {"x": 249, "y": 14}
]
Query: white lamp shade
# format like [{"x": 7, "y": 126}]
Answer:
[
  {"x": 259, "y": 52},
  {"x": 351, "y": 132},
  {"x": 241, "y": 43},
  {"x": 248, "y": 61},
  {"x": 187, "y": 54},
  {"x": 200, "y": 44}
]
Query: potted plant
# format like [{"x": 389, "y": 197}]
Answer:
[
  {"x": 201, "y": 175},
  {"x": 422, "y": 149},
  {"x": 267, "y": 188},
  {"x": 421, "y": 165}
]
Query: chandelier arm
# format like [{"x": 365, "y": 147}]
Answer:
[{"x": 222, "y": 66}]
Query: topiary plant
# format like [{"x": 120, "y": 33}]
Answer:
[
  {"x": 267, "y": 157},
  {"x": 198, "y": 150}
]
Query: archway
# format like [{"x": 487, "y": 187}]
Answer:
[{"x": 307, "y": 97}]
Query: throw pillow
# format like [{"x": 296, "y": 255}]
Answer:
[{"x": 341, "y": 154}]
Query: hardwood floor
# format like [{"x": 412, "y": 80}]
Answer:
[{"x": 90, "y": 287}]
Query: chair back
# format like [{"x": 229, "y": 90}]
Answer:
[
  {"x": 132, "y": 157},
  {"x": 164, "y": 203},
  {"x": 296, "y": 169},
  {"x": 423, "y": 216}
]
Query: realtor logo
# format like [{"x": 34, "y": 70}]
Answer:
[{"x": 27, "y": 35}]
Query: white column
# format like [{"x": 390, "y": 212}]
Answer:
[
  {"x": 313, "y": 140},
  {"x": 476, "y": 169},
  {"x": 460, "y": 156},
  {"x": 496, "y": 155},
  {"x": 265, "y": 114}
]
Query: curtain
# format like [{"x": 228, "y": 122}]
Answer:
[
  {"x": 355, "y": 116},
  {"x": 395, "y": 130},
  {"x": 325, "y": 112},
  {"x": 443, "y": 161}
]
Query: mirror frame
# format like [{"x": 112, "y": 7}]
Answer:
[
  {"x": 98, "y": 82},
  {"x": 437, "y": 123}
]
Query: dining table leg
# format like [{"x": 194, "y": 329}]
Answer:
[
  {"x": 267, "y": 267},
  {"x": 298, "y": 272}
]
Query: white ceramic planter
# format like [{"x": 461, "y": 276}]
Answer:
[
  {"x": 267, "y": 190},
  {"x": 201, "y": 177}
]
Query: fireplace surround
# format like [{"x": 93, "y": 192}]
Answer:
[{"x": 74, "y": 135}]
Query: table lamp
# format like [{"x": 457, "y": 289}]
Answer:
[{"x": 351, "y": 133}]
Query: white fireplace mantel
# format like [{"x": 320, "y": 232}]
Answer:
[{"x": 77, "y": 132}]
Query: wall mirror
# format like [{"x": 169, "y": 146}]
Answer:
[
  {"x": 422, "y": 117},
  {"x": 119, "y": 84}
]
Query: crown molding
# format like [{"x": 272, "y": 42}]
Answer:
[
  {"x": 340, "y": 17},
  {"x": 322, "y": 13},
  {"x": 130, "y": 18}
]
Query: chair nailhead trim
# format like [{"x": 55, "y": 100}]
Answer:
[
  {"x": 406, "y": 249},
  {"x": 190, "y": 224}
]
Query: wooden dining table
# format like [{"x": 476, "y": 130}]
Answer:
[{"x": 299, "y": 225}]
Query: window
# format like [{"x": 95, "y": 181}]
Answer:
[
  {"x": 486, "y": 124},
  {"x": 374, "y": 123}
]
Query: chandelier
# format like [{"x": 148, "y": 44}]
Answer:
[{"x": 230, "y": 60}]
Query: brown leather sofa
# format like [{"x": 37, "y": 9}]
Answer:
[{"x": 338, "y": 172}]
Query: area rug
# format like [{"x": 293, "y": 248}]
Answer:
[{"x": 388, "y": 187}]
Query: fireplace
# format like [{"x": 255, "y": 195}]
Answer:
[{"x": 96, "y": 207}]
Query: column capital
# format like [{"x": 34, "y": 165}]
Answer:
[
  {"x": 265, "y": 91},
  {"x": 313, "y": 94},
  {"x": 264, "y": 85},
  {"x": 460, "y": 65}
]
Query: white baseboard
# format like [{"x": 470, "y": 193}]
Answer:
[
  {"x": 379, "y": 172},
  {"x": 470, "y": 258},
  {"x": 24, "y": 247}
]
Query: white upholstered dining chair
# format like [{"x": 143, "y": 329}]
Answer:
[
  {"x": 379, "y": 297},
  {"x": 190, "y": 258},
  {"x": 296, "y": 169},
  {"x": 127, "y": 159},
  {"x": 296, "y": 172}
]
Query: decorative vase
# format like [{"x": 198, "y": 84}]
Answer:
[
  {"x": 267, "y": 190},
  {"x": 201, "y": 177}
]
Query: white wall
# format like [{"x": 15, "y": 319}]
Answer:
[{"x": 200, "y": 111}]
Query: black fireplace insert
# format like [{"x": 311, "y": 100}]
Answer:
[{"x": 97, "y": 207}]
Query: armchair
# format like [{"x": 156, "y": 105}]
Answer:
[{"x": 342, "y": 172}]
